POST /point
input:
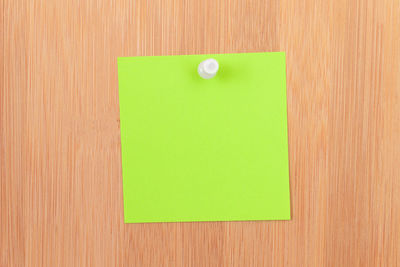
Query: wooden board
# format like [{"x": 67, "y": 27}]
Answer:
[{"x": 60, "y": 158}]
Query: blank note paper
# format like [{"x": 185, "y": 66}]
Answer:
[{"x": 204, "y": 150}]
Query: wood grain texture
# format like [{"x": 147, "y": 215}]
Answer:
[{"x": 61, "y": 186}]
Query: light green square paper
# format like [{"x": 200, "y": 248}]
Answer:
[{"x": 204, "y": 150}]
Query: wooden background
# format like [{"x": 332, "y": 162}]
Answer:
[{"x": 61, "y": 186}]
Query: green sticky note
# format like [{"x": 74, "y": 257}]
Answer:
[{"x": 204, "y": 150}]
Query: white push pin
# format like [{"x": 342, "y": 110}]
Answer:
[{"x": 208, "y": 68}]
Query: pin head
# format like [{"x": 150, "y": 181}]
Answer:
[{"x": 208, "y": 68}]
